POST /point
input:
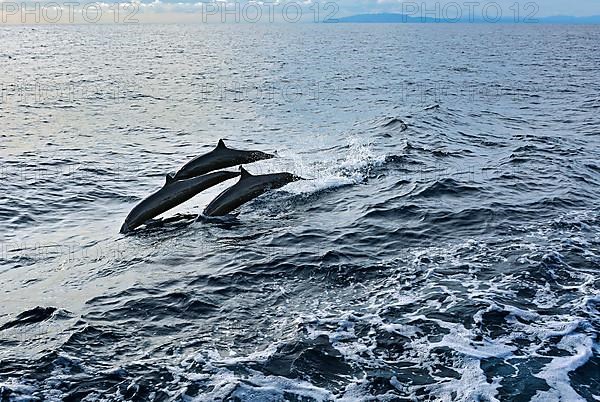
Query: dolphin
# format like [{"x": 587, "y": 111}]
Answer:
[
  {"x": 173, "y": 193},
  {"x": 246, "y": 189},
  {"x": 219, "y": 158}
]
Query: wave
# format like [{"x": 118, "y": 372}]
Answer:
[{"x": 445, "y": 187}]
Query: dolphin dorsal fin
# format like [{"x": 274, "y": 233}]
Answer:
[
  {"x": 169, "y": 179},
  {"x": 221, "y": 145},
  {"x": 245, "y": 173}
]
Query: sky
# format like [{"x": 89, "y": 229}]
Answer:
[
  {"x": 546, "y": 7},
  {"x": 442, "y": 9},
  {"x": 542, "y": 8},
  {"x": 13, "y": 11}
]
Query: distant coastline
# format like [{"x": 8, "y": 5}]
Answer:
[{"x": 393, "y": 18}]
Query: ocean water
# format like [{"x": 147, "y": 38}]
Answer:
[{"x": 446, "y": 245}]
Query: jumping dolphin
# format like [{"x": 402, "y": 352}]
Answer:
[
  {"x": 246, "y": 189},
  {"x": 219, "y": 158},
  {"x": 173, "y": 193}
]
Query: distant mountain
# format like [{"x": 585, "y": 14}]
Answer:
[
  {"x": 565, "y": 19},
  {"x": 380, "y": 18},
  {"x": 402, "y": 18}
]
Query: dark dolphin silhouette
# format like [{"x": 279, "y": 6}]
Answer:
[
  {"x": 173, "y": 193},
  {"x": 32, "y": 316},
  {"x": 246, "y": 189},
  {"x": 219, "y": 158}
]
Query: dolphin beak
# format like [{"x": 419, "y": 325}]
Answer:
[{"x": 124, "y": 228}]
